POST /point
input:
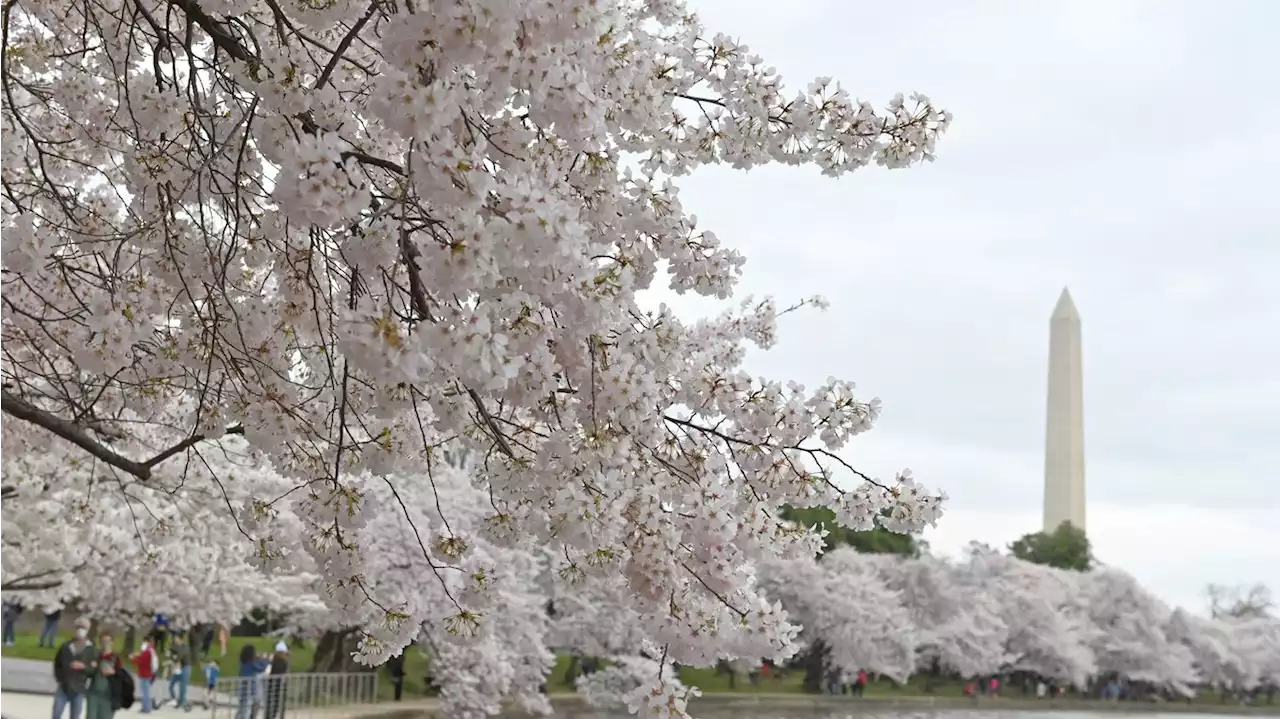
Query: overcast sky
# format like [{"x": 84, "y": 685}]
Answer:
[{"x": 1128, "y": 150}]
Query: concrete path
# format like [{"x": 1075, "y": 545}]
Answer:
[
  {"x": 39, "y": 706},
  {"x": 26, "y": 675}
]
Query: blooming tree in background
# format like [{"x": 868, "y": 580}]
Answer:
[
  {"x": 1049, "y": 634},
  {"x": 125, "y": 549},
  {"x": 1215, "y": 649},
  {"x": 991, "y": 614},
  {"x": 843, "y": 602},
  {"x": 361, "y": 233},
  {"x": 591, "y": 617},
  {"x": 958, "y": 622},
  {"x": 1257, "y": 641},
  {"x": 1130, "y": 639}
]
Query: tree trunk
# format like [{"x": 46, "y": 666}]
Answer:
[
  {"x": 815, "y": 667},
  {"x": 333, "y": 653}
]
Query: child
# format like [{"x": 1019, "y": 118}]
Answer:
[{"x": 211, "y": 673}]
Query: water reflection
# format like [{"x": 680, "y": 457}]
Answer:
[{"x": 739, "y": 711}]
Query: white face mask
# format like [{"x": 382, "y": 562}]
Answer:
[{"x": 82, "y": 633}]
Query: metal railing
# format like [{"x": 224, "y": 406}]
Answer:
[{"x": 288, "y": 696}]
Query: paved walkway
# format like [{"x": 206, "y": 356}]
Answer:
[
  {"x": 40, "y": 706},
  {"x": 26, "y": 675}
]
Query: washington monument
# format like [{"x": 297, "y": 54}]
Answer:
[{"x": 1064, "y": 433}]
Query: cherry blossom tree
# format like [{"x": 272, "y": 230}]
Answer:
[
  {"x": 1050, "y": 633},
  {"x": 362, "y": 233},
  {"x": 1215, "y": 649},
  {"x": 1256, "y": 640},
  {"x": 958, "y": 622},
  {"x": 125, "y": 549},
  {"x": 843, "y": 602},
  {"x": 1131, "y": 639},
  {"x": 593, "y": 618}
]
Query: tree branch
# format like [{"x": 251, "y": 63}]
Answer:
[
  {"x": 418, "y": 298},
  {"x": 76, "y": 434},
  {"x": 346, "y": 43},
  {"x": 228, "y": 43},
  {"x": 15, "y": 406},
  {"x": 814, "y": 452},
  {"x": 186, "y": 444},
  {"x": 30, "y": 583}
]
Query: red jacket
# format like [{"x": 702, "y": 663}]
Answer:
[{"x": 145, "y": 662}]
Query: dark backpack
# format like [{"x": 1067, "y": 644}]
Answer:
[{"x": 125, "y": 687}]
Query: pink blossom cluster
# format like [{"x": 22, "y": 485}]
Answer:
[{"x": 361, "y": 234}]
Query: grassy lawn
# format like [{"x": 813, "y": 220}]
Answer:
[{"x": 706, "y": 679}]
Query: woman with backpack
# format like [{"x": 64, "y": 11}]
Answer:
[{"x": 110, "y": 687}]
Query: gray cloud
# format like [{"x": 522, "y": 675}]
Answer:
[{"x": 1124, "y": 149}]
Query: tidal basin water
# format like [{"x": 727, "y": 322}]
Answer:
[{"x": 831, "y": 712}]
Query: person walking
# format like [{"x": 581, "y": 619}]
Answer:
[
  {"x": 104, "y": 695},
  {"x": 180, "y": 655},
  {"x": 12, "y": 613},
  {"x": 147, "y": 662},
  {"x": 70, "y": 672},
  {"x": 207, "y": 632},
  {"x": 160, "y": 630},
  {"x": 49, "y": 634},
  {"x": 395, "y": 667}
]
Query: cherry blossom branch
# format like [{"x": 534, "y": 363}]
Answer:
[
  {"x": 29, "y": 583},
  {"x": 418, "y": 298},
  {"x": 814, "y": 451},
  {"x": 15, "y": 406},
  {"x": 344, "y": 44},
  {"x": 22, "y": 585},
  {"x": 227, "y": 42}
]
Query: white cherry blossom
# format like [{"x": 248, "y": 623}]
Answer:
[{"x": 362, "y": 234}]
